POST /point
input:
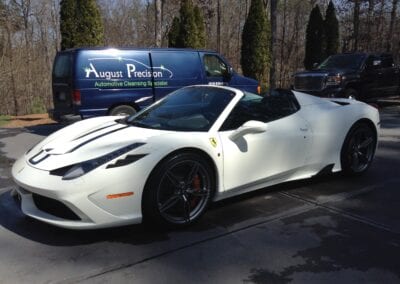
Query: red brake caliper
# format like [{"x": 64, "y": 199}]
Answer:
[{"x": 196, "y": 183}]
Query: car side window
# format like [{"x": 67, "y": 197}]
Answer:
[
  {"x": 387, "y": 62},
  {"x": 214, "y": 66},
  {"x": 276, "y": 105}
]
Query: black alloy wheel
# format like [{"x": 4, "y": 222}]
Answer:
[
  {"x": 358, "y": 149},
  {"x": 179, "y": 190}
]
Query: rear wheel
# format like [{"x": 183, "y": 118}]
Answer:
[
  {"x": 178, "y": 191},
  {"x": 358, "y": 149},
  {"x": 123, "y": 110}
]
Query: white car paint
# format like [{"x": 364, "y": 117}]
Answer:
[{"x": 294, "y": 147}]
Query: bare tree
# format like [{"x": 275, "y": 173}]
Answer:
[
  {"x": 158, "y": 22},
  {"x": 391, "y": 26},
  {"x": 274, "y": 31}
]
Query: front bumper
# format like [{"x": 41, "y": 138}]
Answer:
[{"x": 83, "y": 197}]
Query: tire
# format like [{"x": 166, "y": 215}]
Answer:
[
  {"x": 124, "y": 110},
  {"x": 178, "y": 190},
  {"x": 351, "y": 94},
  {"x": 358, "y": 149}
]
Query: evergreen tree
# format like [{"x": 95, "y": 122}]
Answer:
[
  {"x": 314, "y": 39},
  {"x": 255, "y": 53},
  {"x": 201, "y": 31},
  {"x": 80, "y": 24},
  {"x": 90, "y": 31},
  {"x": 188, "y": 28},
  {"x": 173, "y": 34},
  {"x": 331, "y": 29},
  {"x": 67, "y": 23}
]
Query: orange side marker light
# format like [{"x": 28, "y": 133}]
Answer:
[{"x": 119, "y": 195}]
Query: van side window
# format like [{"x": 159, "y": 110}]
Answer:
[{"x": 214, "y": 66}]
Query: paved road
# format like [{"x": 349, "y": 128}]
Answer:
[{"x": 330, "y": 230}]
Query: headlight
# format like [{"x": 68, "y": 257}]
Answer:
[
  {"x": 77, "y": 170},
  {"x": 333, "y": 80}
]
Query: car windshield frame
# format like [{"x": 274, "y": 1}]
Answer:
[
  {"x": 189, "y": 109},
  {"x": 343, "y": 61}
]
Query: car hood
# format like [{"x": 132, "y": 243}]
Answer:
[
  {"x": 325, "y": 72},
  {"x": 86, "y": 140}
]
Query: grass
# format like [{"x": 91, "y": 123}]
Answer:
[{"x": 4, "y": 119}]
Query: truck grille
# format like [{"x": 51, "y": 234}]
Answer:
[{"x": 309, "y": 83}]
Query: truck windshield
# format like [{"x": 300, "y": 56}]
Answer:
[
  {"x": 188, "y": 109},
  {"x": 343, "y": 61}
]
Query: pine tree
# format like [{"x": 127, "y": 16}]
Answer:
[
  {"x": 67, "y": 23},
  {"x": 188, "y": 29},
  {"x": 314, "y": 39},
  {"x": 80, "y": 24},
  {"x": 173, "y": 34},
  {"x": 331, "y": 29},
  {"x": 255, "y": 53},
  {"x": 90, "y": 30},
  {"x": 201, "y": 31}
]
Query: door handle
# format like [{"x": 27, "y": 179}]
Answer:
[{"x": 303, "y": 129}]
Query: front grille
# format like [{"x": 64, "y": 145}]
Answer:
[
  {"x": 54, "y": 207},
  {"x": 309, "y": 83}
]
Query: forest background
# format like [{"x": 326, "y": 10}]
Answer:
[{"x": 30, "y": 36}]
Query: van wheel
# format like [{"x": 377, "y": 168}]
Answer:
[{"x": 123, "y": 110}]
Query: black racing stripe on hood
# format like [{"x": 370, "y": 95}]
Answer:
[
  {"x": 93, "y": 131},
  {"x": 95, "y": 138}
]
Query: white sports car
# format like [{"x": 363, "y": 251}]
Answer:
[{"x": 199, "y": 144}]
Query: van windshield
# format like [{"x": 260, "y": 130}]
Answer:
[
  {"x": 62, "y": 66},
  {"x": 187, "y": 109}
]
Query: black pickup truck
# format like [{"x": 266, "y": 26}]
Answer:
[{"x": 361, "y": 76}]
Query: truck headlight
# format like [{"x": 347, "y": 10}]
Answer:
[{"x": 333, "y": 80}]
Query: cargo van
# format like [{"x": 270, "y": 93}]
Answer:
[{"x": 107, "y": 81}]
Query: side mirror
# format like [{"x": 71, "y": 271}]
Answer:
[
  {"x": 249, "y": 127},
  {"x": 315, "y": 65},
  {"x": 228, "y": 74}
]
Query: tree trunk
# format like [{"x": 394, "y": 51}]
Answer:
[
  {"x": 371, "y": 4},
  {"x": 11, "y": 59},
  {"x": 272, "y": 70},
  {"x": 158, "y": 23},
  {"x": 391, "y": 26},
  {"x": 219, "y": 25},
  {"x": 356, "y": 23}
]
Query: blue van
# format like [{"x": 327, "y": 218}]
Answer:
[{"x": 107, "y": 81}]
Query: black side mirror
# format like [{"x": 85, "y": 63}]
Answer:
[
  {"x": 315, "y": 65},
  {"x": 228, "y": 74}
]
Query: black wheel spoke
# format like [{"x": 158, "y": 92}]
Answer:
[
  {"x": 170, "y": 202},
  {"x": 198, "y": 193},
  {"x": 186, "y": 208},
  {"x": 174, "y": 180},
  {"x": 367, "y": 142},
  {"x": 193, "y": 171}
]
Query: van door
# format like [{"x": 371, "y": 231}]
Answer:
[
  {"x": 174, "y": 69},
  {"x": 62, "y": 83},
  {"x": 216, "y": 70}
]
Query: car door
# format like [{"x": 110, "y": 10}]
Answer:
[
  {"x": 389, "y": 79},
  {"x": 372, "y": 77},
  {"x": 255, "y": 158}
]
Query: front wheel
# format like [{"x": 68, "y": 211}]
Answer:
[
  {"x": 122, "y": 110},
  {"x": 358, "y": 149},
  {"x": 179, "y": 190}
]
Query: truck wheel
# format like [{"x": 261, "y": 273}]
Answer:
[
  {"x": 123, "y": 110},
  {"x": 351, "y": 94}
]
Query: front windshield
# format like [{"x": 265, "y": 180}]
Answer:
[
  {"x": 344, "y": 61},
  {"x": 187, "y": 109}
]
